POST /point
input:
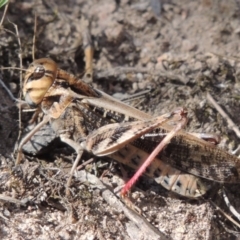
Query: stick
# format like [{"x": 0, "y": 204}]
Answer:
[
  {"x": 230, "y": 123},
  {"x": 4, "y": 14}
]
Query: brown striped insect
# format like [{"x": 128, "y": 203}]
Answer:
[{"x": 88, "y": 119}]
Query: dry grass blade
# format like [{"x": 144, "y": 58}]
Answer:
[
  {"x": 231, "y": 208},
  {"x": 21, "y": 77},
  {"x": 34, "y": 36},
  {"x": 7, "y": 90},
  {"x": 225, "y": 214},
  {"x": 2, "y": 3},
  {"x": 13, "y": 200},
  {"x": 231, "y": 124}
]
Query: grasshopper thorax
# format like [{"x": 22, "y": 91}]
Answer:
[{"x": 39, "y": 78}]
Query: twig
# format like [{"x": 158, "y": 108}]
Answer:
[
  {"x": 14, "y": 68},
  {"x": 34, "y": 36},
  {"x": 231, "y": 124},
  {"x": 30, "y": 110},
  {"x": 231, "y": 208},
  {"x": 227, "y": 228},
  {"x": 13, "y": 200},
  {"x": 225, "y": 214},
  {"x": 9, "y": 31},
  {"x": 88, "y": 49},
  {"x": 4, "y": 14},
  {"x": 85, "y": 164},
  {"x": 21, "y": 84},
  {"x": 7, "y": 90}
]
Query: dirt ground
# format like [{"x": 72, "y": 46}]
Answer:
[{"x": 176, "y": 50}]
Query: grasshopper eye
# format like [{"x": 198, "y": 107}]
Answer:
[
  {"x": 38, "y": 73},
  {"x": 40, "y": 76}
]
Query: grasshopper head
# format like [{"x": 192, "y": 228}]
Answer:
[{"x": 38, "y": 79}]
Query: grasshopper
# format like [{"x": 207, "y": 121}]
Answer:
[{"x": 88, "y": 119}]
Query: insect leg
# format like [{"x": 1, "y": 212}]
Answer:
[
  {"x": 152, "y": 156},
  {"x": 79, "y": 152},
  {"x": 28, "y": 137},
  {"x": 70, "y": 127}
]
